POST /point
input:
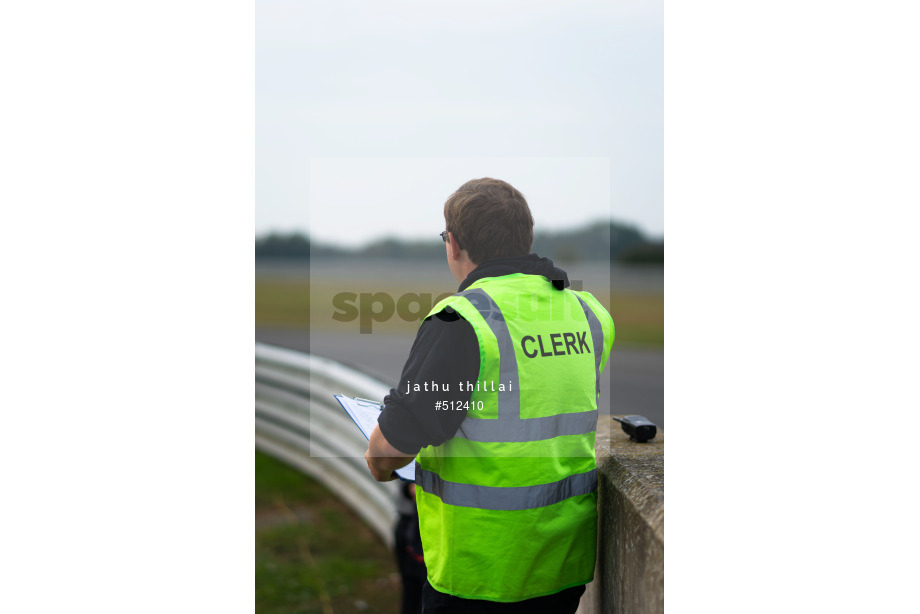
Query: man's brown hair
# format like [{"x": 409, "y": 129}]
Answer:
[{"x": 489, "y": 219}]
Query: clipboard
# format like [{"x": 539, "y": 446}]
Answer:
[{"x": 365, "y": 414}]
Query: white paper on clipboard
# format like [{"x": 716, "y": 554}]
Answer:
[{"x": 365, "y": 413}]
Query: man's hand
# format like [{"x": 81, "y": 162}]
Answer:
[
  {"x": 383, "y": 459},
  {"x": 380, "y": 474}
]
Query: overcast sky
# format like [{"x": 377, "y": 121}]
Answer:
[{"x": 368, "y": 115}]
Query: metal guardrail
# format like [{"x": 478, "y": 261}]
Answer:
[{"x": 298, "y": 422}]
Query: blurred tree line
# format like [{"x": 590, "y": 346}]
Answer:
[{"x": 598, "y": 241}]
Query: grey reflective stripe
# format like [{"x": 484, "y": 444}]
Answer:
[
  {"x": 528, "y": 429},
  {"x": 597, "y": 339},
  {"x": 509, "y": 401},
  {"x": 505, "y": 497},
  {"x": 509, "y": 426}
]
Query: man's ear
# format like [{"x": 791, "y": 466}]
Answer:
[{"x": 454, "y": 246}]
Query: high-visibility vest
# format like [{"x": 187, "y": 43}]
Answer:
[{"x": 507, "y": 507}]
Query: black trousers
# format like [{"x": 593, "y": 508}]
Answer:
[
  {"x": 563, "y": 602},
  {"x": 411, "y": 563}
]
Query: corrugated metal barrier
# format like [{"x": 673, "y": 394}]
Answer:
[{"x": 298, "y": 422}]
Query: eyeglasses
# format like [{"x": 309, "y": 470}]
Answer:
[{"x": 444, "y": 238}]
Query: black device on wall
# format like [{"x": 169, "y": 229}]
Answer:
[{"x": 639, "y": 428}]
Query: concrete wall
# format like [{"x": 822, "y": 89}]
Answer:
[{"x": 630, "y": 561}]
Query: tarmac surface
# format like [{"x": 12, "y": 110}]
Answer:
[{"x": 633, "y": 382}]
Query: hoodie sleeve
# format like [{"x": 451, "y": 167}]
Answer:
[{"x": 445, "y": 353}]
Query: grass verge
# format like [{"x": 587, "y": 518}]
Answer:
[{"x": 313, "y": 554}]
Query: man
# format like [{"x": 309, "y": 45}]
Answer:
[{"x": 498, "y": 401}]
